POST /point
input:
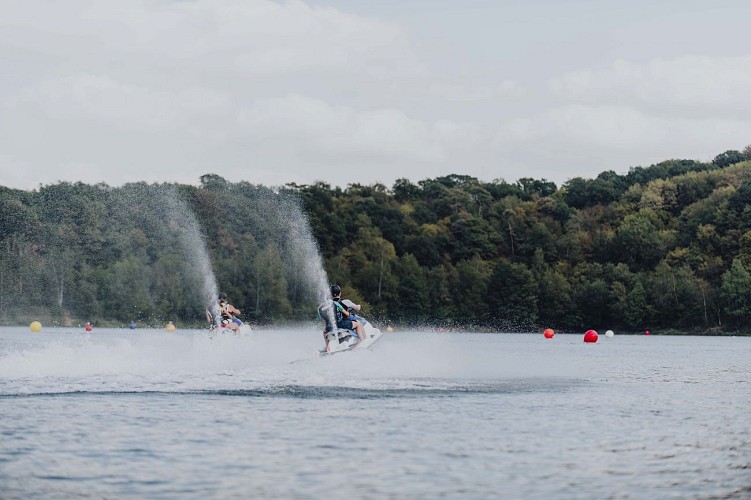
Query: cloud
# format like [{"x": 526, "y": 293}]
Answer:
[
  {"x": 310, "y": 125},
  {"x": 115, "y": 91},
  {"x": 14, "y": 172},
  {"x": 690, "y": 85},
  {"x": 285, "y": 91},
  {"x": 632, "y": 114},
  {"x": 611, "y": 127},
  {"x": 581, "y": 139},
  {"x": 466, "y": 93},
  {"x": 120, "y": 105},
  {"x": 253, "y": 37}
]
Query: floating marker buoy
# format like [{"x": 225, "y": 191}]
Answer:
[
  {"x": 389, "y": 329},
  {"x": 133, "y": 325},
  {"x": 89, "y": 327},
  {"x": 646, "y": 332},
  {"x": 549, "y": 333},
  {"x": 35, "y": 326},
  {"x": 609, "y": 333},
  {"x": 170, "y": 327},
  {"x": 591, "y": 336}
]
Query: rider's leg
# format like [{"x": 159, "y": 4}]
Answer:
[{"x": 360, "y": 330}]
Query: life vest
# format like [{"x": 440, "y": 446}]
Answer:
[
  {"x": 338, "y": 311},
  {"x": 324, "y": 311}
]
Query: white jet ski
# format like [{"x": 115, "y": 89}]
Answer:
[
  {"x": 244, "y": 329},
  {"x": 343, "y": 340}
]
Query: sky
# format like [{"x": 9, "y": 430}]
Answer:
[{"x": 355, "y": 91}]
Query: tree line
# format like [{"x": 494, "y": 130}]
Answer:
[{"x": 664, "y": 247}]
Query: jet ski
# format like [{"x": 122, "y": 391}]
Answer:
[
  {"x": 244, "y": 329},
  {"x": 340, "y": 340}
]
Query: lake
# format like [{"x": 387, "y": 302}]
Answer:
[{"x": 150, "y": 414}]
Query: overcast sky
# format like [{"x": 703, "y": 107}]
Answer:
[{"x": 355, "y": 91}]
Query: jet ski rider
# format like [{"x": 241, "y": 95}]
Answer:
[
  {"x": 345, "y": 319},
  {"x": 228, "y": 312}
]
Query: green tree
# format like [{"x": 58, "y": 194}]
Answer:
[
  {"x": 575, "y": 193},
  {"x": 512, "y": 296},
  {"x": 439, "y": 282},
  {"x": 635, "y": 312},
  {"x": 674, "y": 291},
  {"x": 735, "y": 293},
  {"x": 373, "y": 269},
  {"x": 126, "y": 292},
  {"x": 268, "y": 297},
  {"x": 404, "y": 190},
  {"x": 411, "y": 302},
  {"x": 555, "y": 305},
  {"x": 591, "y": 298},
  {"x": 470, "y": 291},
  {"x": 471, "y": 236},
  {"x": 729, "y": 157},
  {"x": 638, "y": 242}
]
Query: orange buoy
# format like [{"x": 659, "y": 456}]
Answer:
[
  {"x": 591, "y": 336},
  {"x": 549, "y": 333}
]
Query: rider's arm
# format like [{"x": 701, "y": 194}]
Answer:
[
  {"x": 351, "y": 305},
  {"x": 225, "y": 309},
  {"x": 341, "y": 308}
]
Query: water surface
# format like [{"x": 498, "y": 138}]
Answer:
[{"x": 146, "y": 413}]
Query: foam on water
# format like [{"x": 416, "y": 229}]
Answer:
[{"x": 113, "y": 361}]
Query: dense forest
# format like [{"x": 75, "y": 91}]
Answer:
[{"x": 665, "y": 247}]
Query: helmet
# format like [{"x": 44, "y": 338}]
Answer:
[
  {"x": 222, "y": 296},
  {"x": 336, "y": 290}
]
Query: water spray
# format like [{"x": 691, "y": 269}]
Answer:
[{"x": 193, "y": 245}]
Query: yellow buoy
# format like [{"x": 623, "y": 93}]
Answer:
[
  {"x": 35, "y": 326},
  {"x": 170, "y": 327},
  {"x": 389, "y": 329}
]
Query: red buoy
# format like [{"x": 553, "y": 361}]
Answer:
[
  {"x": 646, "y": 333},
  {"x": 591, "y": 336},
  {"x": 548, "y": 333},
  {"x": 89, "y": 327}
]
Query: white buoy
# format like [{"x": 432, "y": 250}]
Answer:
[{"x": 609, "y": 334}]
